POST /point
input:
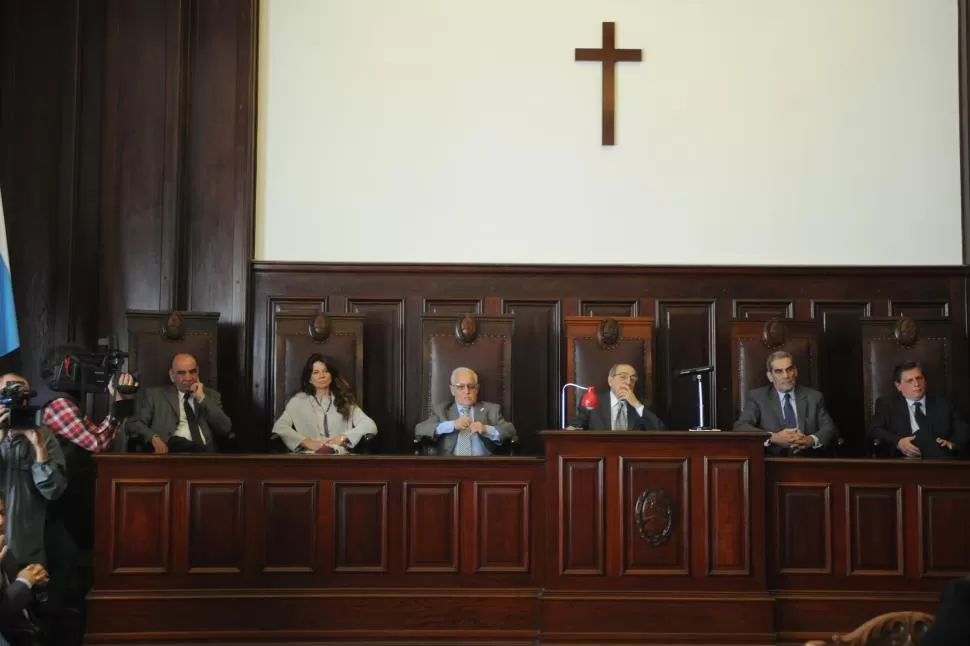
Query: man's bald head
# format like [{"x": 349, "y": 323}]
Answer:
[{"x": 184, "y": 372}]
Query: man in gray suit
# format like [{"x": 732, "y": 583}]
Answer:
[
  {"x": 794, "y": 420},
  {"x": 464, "y": 426},
  {"x": 183, "y": 417}
]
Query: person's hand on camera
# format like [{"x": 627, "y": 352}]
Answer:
[
  {"x": 34, "y": 574},
  {"x": 159, "y": 445},
  {"x": 4, "y": 420},
  {"x": 124, "y": 379}
]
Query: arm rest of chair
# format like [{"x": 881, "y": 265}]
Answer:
[
  {"x": 366, "y": 445},
  {"x": 513, "y": 446},
  {"x": 425, "y": 446},
  {"x": 276, "y": 444}
]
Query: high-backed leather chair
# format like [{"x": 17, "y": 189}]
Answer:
[
  {"x": 477, "y": 341},
  {"x": 297, "y": 335},
  {"x": 594, "y": 344},
  {"x": 887, "y": 342},
  {"x": 154, "y": 337},
  {"x": 753, "y": 341}
]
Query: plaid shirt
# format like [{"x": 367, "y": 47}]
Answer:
[{"x": 64, "y": 418}]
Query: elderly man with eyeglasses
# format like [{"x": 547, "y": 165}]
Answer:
[
  {"x": 622, "y": 410},
  {"x": 465, "y": 426},
  {"x": 183, "y": 417}
]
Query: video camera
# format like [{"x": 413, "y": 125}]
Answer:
[
  {"x": 16, "y": 398},
  {"x": 86, "y": 372}
]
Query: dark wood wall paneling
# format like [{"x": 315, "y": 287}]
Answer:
[
  {"x": 692, "y": 308},
  {"x": 799, "y": 548},
  {"x": 127, "y": 167}
]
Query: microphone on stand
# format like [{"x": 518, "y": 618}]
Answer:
[
  {"x": 698, "y": 374},
  {"x": 695, "y": 371}
]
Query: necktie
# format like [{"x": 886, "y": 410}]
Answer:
[
  {"x": 619, "y": 423},
  {"x": 789, "y": 413},
  {"x": 193, "y": 421},
  {"x": 919, "y": 415},
  {"x": 464, "y": 444}
]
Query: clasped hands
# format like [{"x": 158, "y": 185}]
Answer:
[
  {"x": 794, "y": 439},
  {"x": 316, "y": 445},
  {"x": 465, "y": 423},
  {"x": 34, "y": 574},
  {"x": 626, "y": 394}
]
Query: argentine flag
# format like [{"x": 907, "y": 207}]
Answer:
[{"x": 9, "y": 339}]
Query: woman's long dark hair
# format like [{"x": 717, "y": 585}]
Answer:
[{"x": 343, "y": 394}]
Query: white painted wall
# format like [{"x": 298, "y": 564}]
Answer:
[{"x": 816, "y": 132}]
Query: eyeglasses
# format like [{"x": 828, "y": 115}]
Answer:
[
  {"x": 465, "y": 386},
  {"x": 625, "y": 375},
  {"x": 182, "y": 373}
]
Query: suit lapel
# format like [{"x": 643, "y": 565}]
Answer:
[
  {"x": 172, "y": 396},
  {"x": 775, "y": 404},
  {"x": 606, "y": 410},
  {"x": 451, "y": 412},
  {"x": 932, "y": 412},
  {"x": 901, "y": 412},
  {"x": 801, "y": 407}
]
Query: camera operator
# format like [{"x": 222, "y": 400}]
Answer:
[
  {"x": 32, "y": 475},
  {"x": 63, "y": 415},
  {"x": 16, "y": 592}
]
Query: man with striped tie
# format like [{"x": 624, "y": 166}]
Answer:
[
  {"x": 794, "y": 419},
  {"x": 465, "y": 426}
]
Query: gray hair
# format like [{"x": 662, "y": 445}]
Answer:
[
  {"x": 775, "y": 356},
  {"x": 463, "y": 369},
  {"x": 617, "y": 365}
]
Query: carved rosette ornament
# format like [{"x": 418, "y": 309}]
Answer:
[
  {"x": 609, "y": 333},
  {"x": 319, "y": 328},
  {"x": 466, "y": 329},
  {"x": 905, "y": 332},
  {"x": 654, "y": 515},
  {"x": 173, "y": 328},
  {"x": 774, "y": 335}
]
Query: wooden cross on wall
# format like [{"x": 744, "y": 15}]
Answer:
[{"x": 609, "y": 55}]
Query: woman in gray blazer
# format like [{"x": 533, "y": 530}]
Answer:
[{"x": 324, "y": 416}]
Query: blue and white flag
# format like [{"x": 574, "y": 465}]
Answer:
[{"x": 9, "y": 339}]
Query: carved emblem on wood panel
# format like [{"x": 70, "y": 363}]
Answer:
[
  {"x": 173, "y": 328},
  {"x": 905, "y": 332},
  {"x": 319, "y": 328},
  {"x": 654, "y": 514},
  {"x": 466, "y": 329},
  {"x": 609, "y": 332},
  {"x": 774, "y": 335}
]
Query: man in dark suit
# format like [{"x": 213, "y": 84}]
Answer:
[
  {"x": 794, "y": 419},
  {"x": 15, "y": 592},
  {"x": 915, "y": 424},
  {"x": 952, "y": 624},
  {"x": 622, "y": 410},
  {"x": 183, "y": 417},
  {"x": 465, "y": 426}
]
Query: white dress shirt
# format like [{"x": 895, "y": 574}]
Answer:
[{"x": 911, "y": 405}]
